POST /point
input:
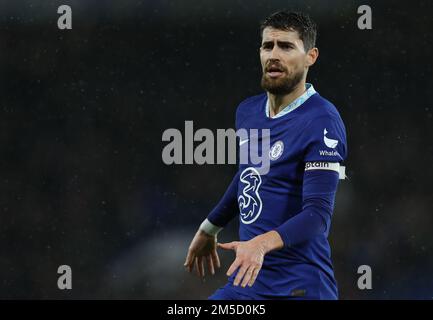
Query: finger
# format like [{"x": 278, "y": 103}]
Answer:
[
  {"x": 233, "y": 268},
  {"x": 228, "y": 246},
  {"x": 216, "y": 259},
  {"x": 201, "y": 265},
  {"x": 210, "y": 264},
  {"x": 247, "y": 276},
  {"x": 240, "y": 275},
  {"x": 254, "y": 276},
  {"x": 189, "y": 261},
  {"x": 197, "y": 269}
]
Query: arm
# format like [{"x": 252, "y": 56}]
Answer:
[
  {"x": 226, "y": 209},
  {"x": 203, "y": 246},
  {"x": 319, "y": 189},
  {"x": 321, "y": 175}
]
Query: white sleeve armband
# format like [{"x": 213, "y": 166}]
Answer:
[
  {"x": 210, "y": 228},
  {"x": 321, "y": 165}
]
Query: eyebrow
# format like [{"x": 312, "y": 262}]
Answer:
[{"x": 279, "y": 42}]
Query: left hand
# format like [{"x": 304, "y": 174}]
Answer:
[{"x": 249, "y": 260}]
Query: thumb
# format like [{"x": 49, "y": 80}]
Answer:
[{"x": 228, "y": 246}]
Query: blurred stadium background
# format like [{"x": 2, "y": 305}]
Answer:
[{"x": 82, "y": 113}]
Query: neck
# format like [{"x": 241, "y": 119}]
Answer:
[{"x": 279, "y": 102}]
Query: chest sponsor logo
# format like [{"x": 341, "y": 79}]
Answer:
[{"x": 250, "y": 204}]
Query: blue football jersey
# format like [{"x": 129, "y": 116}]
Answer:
[{"x": 311, "y": 130}]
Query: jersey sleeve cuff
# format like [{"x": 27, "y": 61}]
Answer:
[{"x": 209, "y": 228}]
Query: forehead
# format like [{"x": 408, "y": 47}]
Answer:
[{"x": 271, "y": 34}]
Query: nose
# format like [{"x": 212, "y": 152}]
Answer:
[{"x": 275, "y": 54}]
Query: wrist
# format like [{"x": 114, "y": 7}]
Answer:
[
  {"x": 209, "y": 228},
  {"x": 205, "y": 234},
  {"x": 270, "y": 241}
]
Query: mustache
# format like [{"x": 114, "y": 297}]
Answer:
[{"x": 274, "y": 66}]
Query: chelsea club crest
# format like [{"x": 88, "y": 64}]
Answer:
[{"x": 276, "y": 150}]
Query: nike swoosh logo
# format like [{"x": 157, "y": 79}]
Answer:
[{"x": 241, "y": 142}]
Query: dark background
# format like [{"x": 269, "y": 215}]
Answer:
[{"x": 82, "y": 113}]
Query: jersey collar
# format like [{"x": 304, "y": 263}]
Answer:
[{"x": 294, "y": 104}]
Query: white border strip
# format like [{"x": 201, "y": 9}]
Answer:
[{"x": 322, "y": 165}]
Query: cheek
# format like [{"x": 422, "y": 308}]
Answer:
[
  {"x": 263, "y": 59},
  {"x": 295, "y": 62}
]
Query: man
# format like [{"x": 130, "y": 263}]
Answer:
[{"x": 285, "y": 215}]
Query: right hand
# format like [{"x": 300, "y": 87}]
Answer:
[{"x": 202, "y": 249}]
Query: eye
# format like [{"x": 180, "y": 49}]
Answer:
[
  {"x": 286, "y": 46},
  {"x": 267, "y": 46}
]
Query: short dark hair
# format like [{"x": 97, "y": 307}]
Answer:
[{"x": 288, "y": 20}]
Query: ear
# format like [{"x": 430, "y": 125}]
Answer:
[{"x": 312, "y": 56}]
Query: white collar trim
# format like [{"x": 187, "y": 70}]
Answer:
[{"x": 294, "y": 104}]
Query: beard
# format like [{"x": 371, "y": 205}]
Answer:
[{"x": 283, "y": 85}]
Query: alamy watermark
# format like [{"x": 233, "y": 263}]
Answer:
[
  {"x": 64, "y": 282},
  {"x": 181, "y": 148},
  {"x": 365, "y": 21},
  {"x": 365, "y": 280},
  {"x": 65, "y": 20}
]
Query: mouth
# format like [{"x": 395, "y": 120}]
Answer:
[{"x": 274, "y": 72}]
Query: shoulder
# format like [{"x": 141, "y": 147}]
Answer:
[
  {"x": 323, "y": 116},
  {"x": 321, "y": 107},
  {"x": 250, "y": 107},
  {"x": 321, "y": 110},
  {"x": 325, "y": 134}
]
